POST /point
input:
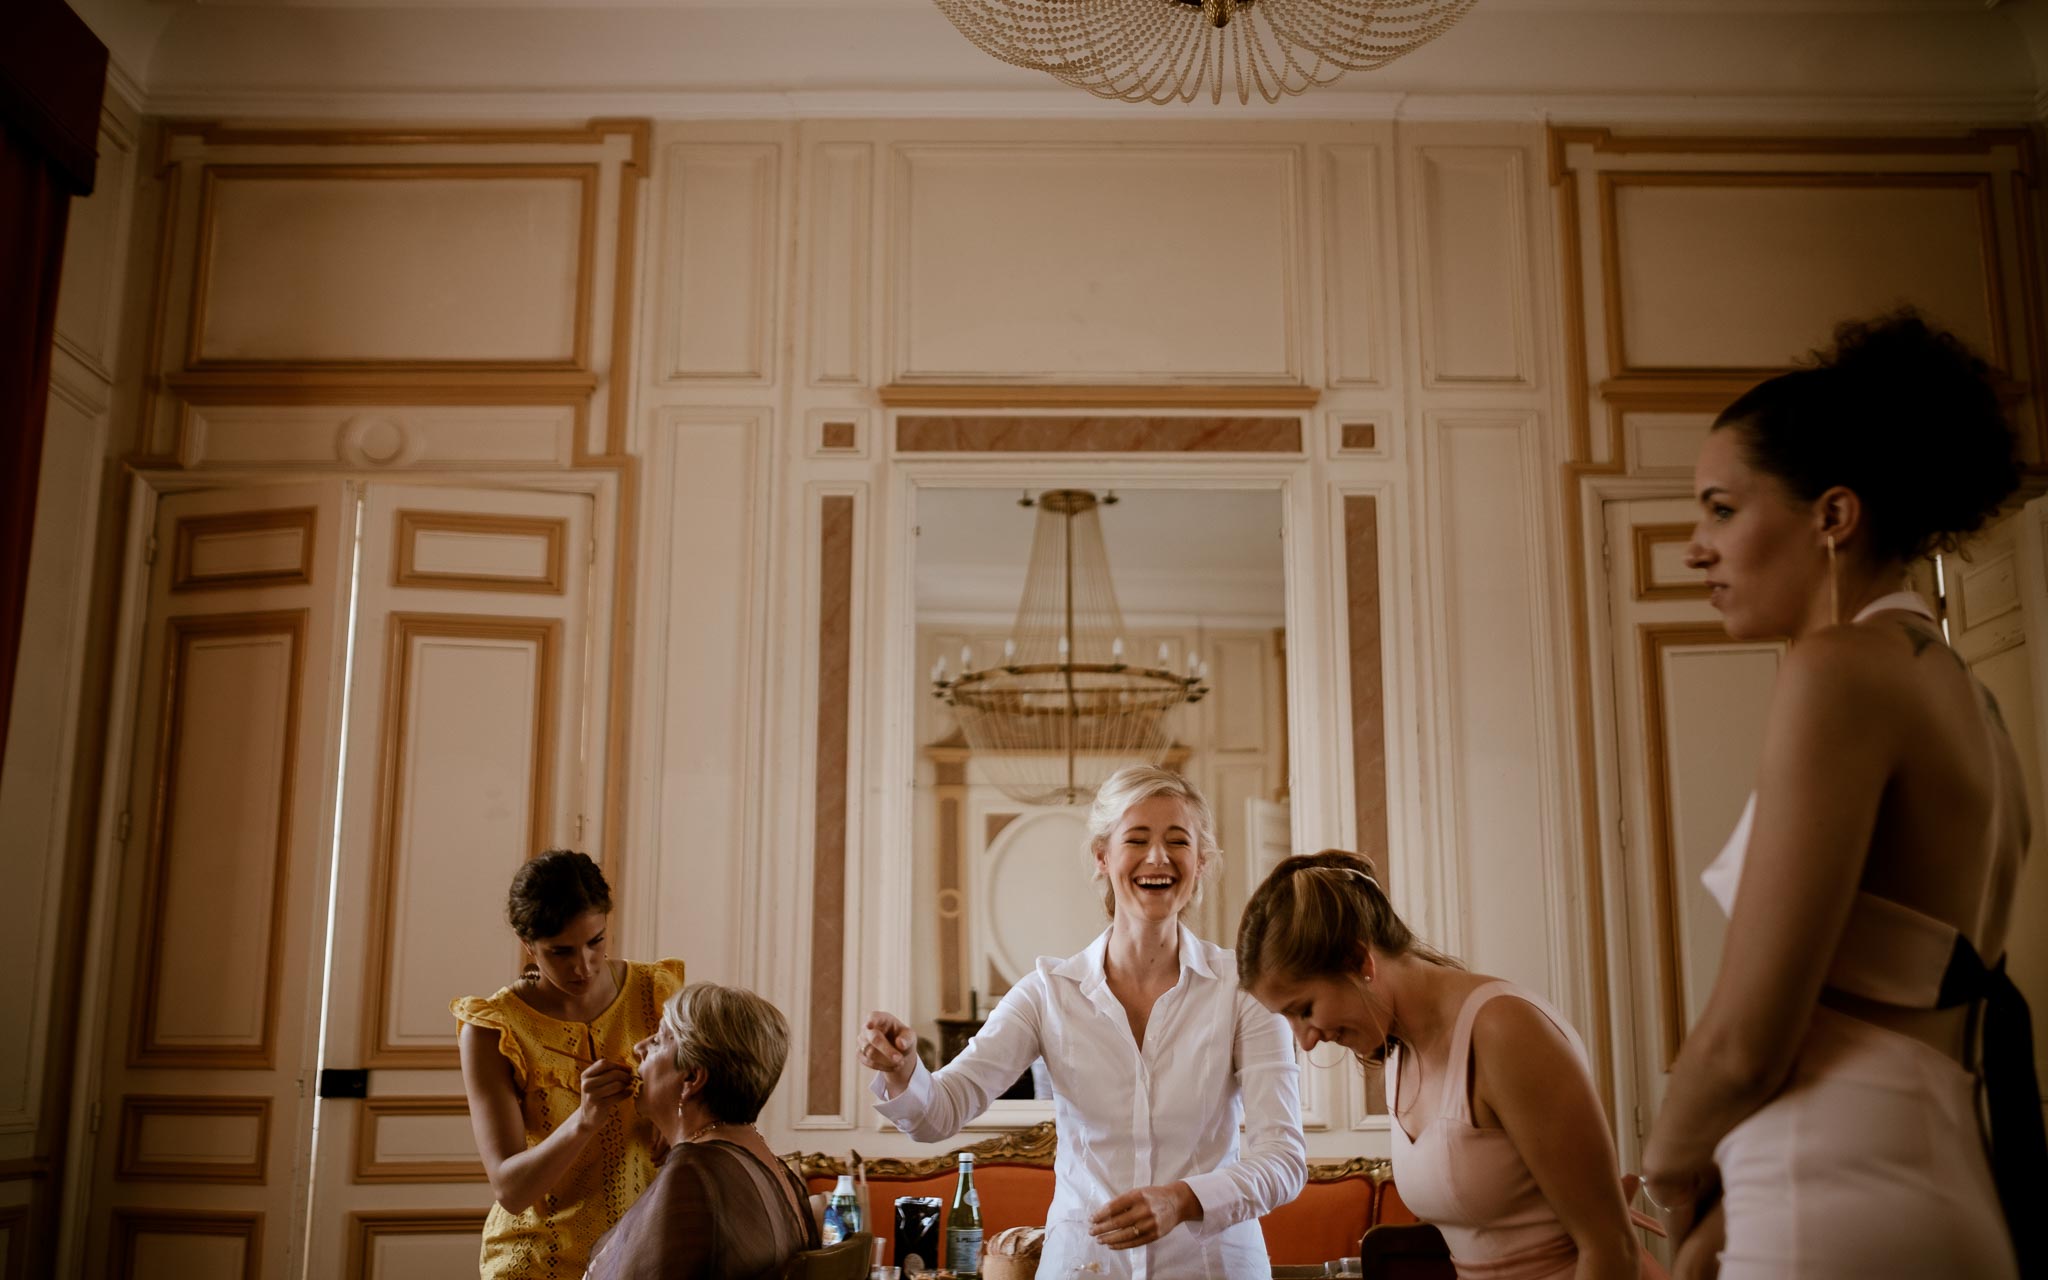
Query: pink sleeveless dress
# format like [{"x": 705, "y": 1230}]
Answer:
[
  {"x": 1869, "y": 1162},
  {"x": 1469, "y": 1182}
]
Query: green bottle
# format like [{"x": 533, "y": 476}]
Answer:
[{"x": 963, "y": 1224}]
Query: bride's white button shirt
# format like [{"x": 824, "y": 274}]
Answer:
[{"x": 1132, "y": 1115}]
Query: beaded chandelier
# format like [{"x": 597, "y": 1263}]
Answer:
[
  {"x": 1159, "y": 50},
  {"x": 1063, "y": 709}
]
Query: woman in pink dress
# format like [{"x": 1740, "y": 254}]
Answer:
[
  {"x": 1821, "y": 1118},
  {"x": 1499, "y": 1139}
]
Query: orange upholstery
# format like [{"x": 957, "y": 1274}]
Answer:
[
  {"x": 1011, "y": 1196},
  {"x": 1390, "y": 1209},
  {"x": 1327, "y": 1220},
  {"x": 1324, "y": 1222}
]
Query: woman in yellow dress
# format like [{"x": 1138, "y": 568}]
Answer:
[{"x": 546, "y": 1063}]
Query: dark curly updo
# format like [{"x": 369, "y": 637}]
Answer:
[
  {"x": 1902, "y": 414},
  {"x": 551, "y": 890}
]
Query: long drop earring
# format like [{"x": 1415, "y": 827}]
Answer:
[{"x": 1834, "y": 584}]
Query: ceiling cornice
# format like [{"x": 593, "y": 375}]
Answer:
[{"x": 1650, "y": 61}]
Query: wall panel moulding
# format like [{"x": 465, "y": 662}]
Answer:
[
  {"x": 1660, "y": 230},
  {"x": 1694, "y": 264},
  {"x": 999, "y": 396},
  {"x": 417, "y": 265},
  {"x": 1136, "y": 433}
]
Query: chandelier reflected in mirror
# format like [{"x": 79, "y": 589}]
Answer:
[
  {"x": 1160, "y": 50},
  {"x": 1064, "y": 708}
]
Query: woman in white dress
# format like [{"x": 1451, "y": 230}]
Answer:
[
  {"x": 1155, "y": 1056},
  {"x": 1821, "y": 1118}
]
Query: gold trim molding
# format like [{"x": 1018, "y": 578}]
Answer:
[
  {"x": 1695, "y": 392},
  {"x": 192, "y": 528},
  {"x": 587, "y": 176},
  {"x": 838, "y": 516},
  {"x": 144, "y": 1048},
  {"x": 1648, "y": 537},
  {"x": 366, "y": 1167},
  {"x": 403, "y": 629},
  {"x": 1033, "y": 1148},
  {"x": 130, "y": 1224},
  {"x": 130, "y": 1165},
  {"x": 407, "y": 573},
  {"x": 1071, "y": 395},
  {"x": 1610, "y": 183},
  {"x": 14, "y": 1224},
  {"x": 364, "y": 1228},
  {"x": 1654, "y": 639}
]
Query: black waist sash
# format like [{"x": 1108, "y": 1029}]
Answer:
[{"x": 2012, "y": 1097}]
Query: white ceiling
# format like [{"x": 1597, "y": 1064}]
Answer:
[{"x": 1616, "y": 61}]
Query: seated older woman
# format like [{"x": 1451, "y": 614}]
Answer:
[{"x": 723, "y": 1207}]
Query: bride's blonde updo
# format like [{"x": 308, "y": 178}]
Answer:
[{"x": 1136, "y": 784}]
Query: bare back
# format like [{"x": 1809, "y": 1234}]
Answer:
[{"x": 1952, "y": 825}]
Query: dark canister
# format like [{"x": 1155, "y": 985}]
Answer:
[{"x": 917, "y": 1231}]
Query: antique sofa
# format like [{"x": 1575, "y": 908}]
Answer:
[{"x": 1013, "y": 1173}]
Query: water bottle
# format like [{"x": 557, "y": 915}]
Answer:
[
  {"x": 963, "y": 1224},
  {"x": 842, "y": 1211}
]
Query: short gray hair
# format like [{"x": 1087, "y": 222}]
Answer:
[
  {"x": 1135, "y": 784},
  {"x": 738, "y": 1040}
]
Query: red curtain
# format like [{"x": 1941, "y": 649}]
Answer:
[{"x": 52, "y": 73}]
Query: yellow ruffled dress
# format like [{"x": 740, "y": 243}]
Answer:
[{"x": 552, "y": 1240}]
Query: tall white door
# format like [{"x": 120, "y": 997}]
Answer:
[
  {"x": 204, "y": 1109},
  {"x": 468, "y": 733},
  {"x": 1688, "y": 707}
]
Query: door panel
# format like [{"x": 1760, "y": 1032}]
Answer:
[
  {"x": 202, "y": 1130},
  {"x": 466, "y": 741},
  {"x": 1996, "y": 600},
  {"x": 1688, "y": 705}
]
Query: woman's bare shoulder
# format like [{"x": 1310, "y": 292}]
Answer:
[{"x": 1509, "y": 1027}]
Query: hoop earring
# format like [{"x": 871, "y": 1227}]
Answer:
[{"x": 1834, "y": 584}]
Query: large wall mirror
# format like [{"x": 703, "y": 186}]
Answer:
[{"x": 1199, "y": 579}]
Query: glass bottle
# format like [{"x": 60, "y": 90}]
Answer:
[
  {"x": 963, "y": 1224},
  {"x": 842, "y": 1212}
]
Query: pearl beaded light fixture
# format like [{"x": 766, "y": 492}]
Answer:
[
  {"x": 1063, "y": 709},
  {"x": 1160, "y": 50}
]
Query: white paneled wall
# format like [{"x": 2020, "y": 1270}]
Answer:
[
  {"x": 1445, "y": 347},
  {"x": 50, "y": 729},
  {"x": 1397, "y": 275}
]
